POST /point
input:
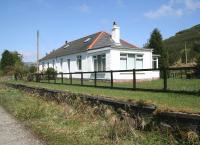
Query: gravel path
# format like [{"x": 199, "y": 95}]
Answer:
[{"x": 13, "y": 133}]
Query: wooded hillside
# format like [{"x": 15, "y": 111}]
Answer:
[{"x": 176, "y": 45}]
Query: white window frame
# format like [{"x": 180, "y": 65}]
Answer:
[
  {"x": 53, "y": 63},
  {"x": 126, "y": 56},
  {"x": 99, "y": 62},
  {"x": 139, "y": 57}
]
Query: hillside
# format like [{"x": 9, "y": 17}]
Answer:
[{"x": 176, "y": 45}]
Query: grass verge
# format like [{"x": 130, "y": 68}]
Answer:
[
  {"x": 73, "y": 124},
  {"x": 171, "y": 101}
]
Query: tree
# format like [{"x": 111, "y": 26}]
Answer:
[
  {"x": 10, "y": 62},
  {"x": 196, "y": 49},
  {"x": 7, "y": 60},
  {"x": 156, "y": 43},
  {"x": 17, "y": 58},
  {"x": 198, "y": 67}
]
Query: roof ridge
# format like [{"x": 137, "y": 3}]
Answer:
[{"x": 95, "y": 40}]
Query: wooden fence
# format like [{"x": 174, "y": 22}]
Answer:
[{"x": 173, "y": 73}]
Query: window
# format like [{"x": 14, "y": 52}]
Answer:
[
  {"x": 88, "y": 39},
  {"x": 99, "y": 62},
  {"x": 68, "y": 64},
  {"x": 53, "y": 63},
  {"x": 61, "y": 63},
  {"x": 131, "y": 61},
  {"x": 139, "y": 61},
  {"x": 79, "y": 62},
  {"x": 155, "y": 63},
  {"x": 42, "y": 65},
  {"x": 66, "y": 45},
  {"x": 123, "y": 61}
]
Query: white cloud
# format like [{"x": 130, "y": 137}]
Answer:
[
  {"x": 192, "y": 4},
  {"x": 164, "y": 10},
  {"x": 174, "y": 8},
  {"x": 84, "y": 8}
]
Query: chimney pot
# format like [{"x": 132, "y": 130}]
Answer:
[{"x": 116, "y": 33}]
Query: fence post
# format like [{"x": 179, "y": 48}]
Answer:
[
  {"x": 55, "y": 76},
  {"x": 165, "y": 79},
  {"x": 181, "y": 74},
  {"x": 71, "y": 78},
  {"x": 81, "y": 78},
  {"x": 48, "y": 78},
  {"x": 62, "y": 78},
  {"x": 95, "y": 78},
  {"x": 134, "y": 79},
  {"x": 35, "y": 77},
  {"x": 40, "y": 77},
  {"x": 111, "y": 79}
]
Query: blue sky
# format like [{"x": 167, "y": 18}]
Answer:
[{"x": 61, "y": 20}]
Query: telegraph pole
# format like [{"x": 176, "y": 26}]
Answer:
[
  {"x": 38, "y": 51},
  {"x": 185, "y": 53}
]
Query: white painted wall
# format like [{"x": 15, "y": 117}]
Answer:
[
  {"x": 112, "y": 63},
  {"x": 147, "y": 64}
]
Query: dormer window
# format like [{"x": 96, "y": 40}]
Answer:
[
  {"x": 86, "y": 40},
  {"x": 66, "y": 45}
]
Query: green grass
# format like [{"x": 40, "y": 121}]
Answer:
[
  {"x": 173, "y": 84},
  {"x": 172, "y": 101},
  {"x": 76, "y": 124}
]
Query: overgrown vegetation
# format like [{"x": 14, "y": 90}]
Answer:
[{"x": 75, "y": 122}]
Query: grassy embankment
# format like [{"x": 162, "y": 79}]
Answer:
[
  {"x": 73, "y": 124},
  {"x": 172, "y": 101}
]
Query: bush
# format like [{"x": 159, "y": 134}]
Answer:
[
  {"x": 30, "y": 77},
  {"x": 18, "y": 74},
  {"x": 51, "y": 72},
  {"x": 1, "y": 72},
  {"x": 32, "y": 69}
]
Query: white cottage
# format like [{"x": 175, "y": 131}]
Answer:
[{"x": 102, "y": 52}]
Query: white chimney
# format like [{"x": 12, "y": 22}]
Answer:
[{"x": 116, "y": 33}]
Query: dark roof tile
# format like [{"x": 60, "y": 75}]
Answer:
[{"x": 97, "y": 40}]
